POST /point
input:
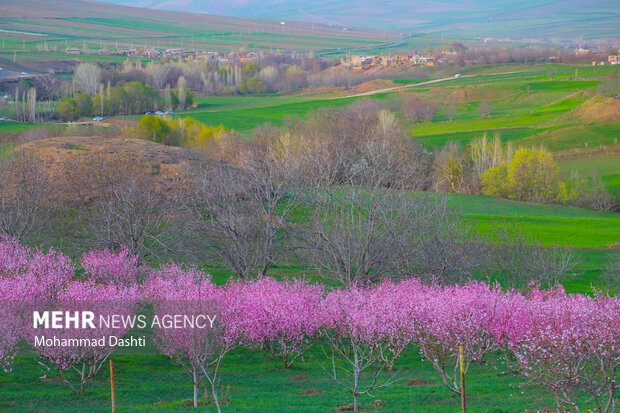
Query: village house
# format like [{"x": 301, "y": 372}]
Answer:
[{"x": 362, "y": 62}]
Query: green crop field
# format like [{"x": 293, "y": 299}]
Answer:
[
  {"x": 251, "y": 113},
  {"x": 45, "y": 27},
  {"x": 15, "y": 127},
  {"x": 550, "y": 224},
  {"x": 607, "y": 168}
]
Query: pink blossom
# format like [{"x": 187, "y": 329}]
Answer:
[{"x": 110, "y": 267}]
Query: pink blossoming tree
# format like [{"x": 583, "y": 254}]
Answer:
[
  {"x": 282, "y": 316},
  {"x": 178, "y": 290},
  {"x": 357, "y": 338}
]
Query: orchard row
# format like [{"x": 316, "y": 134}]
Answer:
[{"x": 565, "y": 347}]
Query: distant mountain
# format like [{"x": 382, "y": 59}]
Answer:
[{"x": 592, "y": 19}]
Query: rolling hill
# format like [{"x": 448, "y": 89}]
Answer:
[
  {"x": 502, "y": 18},
  {"x": 88, "y": 24}
]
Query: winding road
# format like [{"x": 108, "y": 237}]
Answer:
[{"x": 411, "y": 85}]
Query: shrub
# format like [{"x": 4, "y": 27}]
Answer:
[
  {"x": 66, "y": 109},
  {"x": 84, "y": 104},
  {"x": 531, "y": 175},
  {"x": 156, "y": 129}
]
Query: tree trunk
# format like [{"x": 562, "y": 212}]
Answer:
[
  {"x": 215, "y": 399},
  {"x": 195, "y": 380},
  {"x": 356, "y": 379}
]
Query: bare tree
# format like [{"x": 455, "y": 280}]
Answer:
[
  {"x": 361, "y": 117},
  {"x": 125, "y": 206},
  {"x": 592, "y": 192},
  {"x": 449, "y": 169},
  {"x": 24, "y": 192},
  {"x": 611, "y": 273},
  {"x": 157, "y": 73},
  {"x": 415, "y": 109},
  {"x": 484, "y": 108},
  {"x": 181, "y": 85},
  {"x": 31, "y": 104},
  {"x": 359, "y": 219},
  {"x": 610, "y": 87},
  {"x": 516, "y": 261},
  {"x": 243, "y": 213},
  {"x": 87, "y": 77},
  {"x": 352, "y": 360},
  {"x": 451, "y": 112},
  {"x": 438, "y": 246}
]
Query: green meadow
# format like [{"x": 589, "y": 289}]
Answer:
[
  {"x": 607, "y": 168},
  {"x": 252, "y": 381}
]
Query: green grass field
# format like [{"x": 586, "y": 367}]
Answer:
[
  {"x": 607, "y": 168},
  {"x": 15, "y": 127},
  {"x": 526, "y": 106},
  {"x": 43, "y": 28},
  {"x": 550, "y": 224},
  {"x": 255, "y": 382},
  {"x": 247, "y": 113}
]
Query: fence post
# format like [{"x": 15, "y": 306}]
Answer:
[
  {"x": 112, "y": 386},
  {"x": 462, "y": 363}
]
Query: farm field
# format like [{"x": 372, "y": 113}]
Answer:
[
  {"x": 255, "y": 382},
  {"x": 522, "y": 109},
  {"x": 550, "y": 224},
  {"x": 606, "y": 167},
  {"x": 14, "y": 127},
  {"x": 93, "y": 25}
]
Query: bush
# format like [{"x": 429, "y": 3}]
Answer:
[
  {"x": 253, "y": 86},
  {"x": 186, "y": 132},
  {"x": 84, "y": 104},
  {"x": 156, "y": 129},
  {"x": 531, "y": 175},
  {"x": 66, "y": 109}
]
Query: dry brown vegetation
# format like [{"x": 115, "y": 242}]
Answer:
[
  {"x": 166, "y": 167},
  {"x": 599, "y": 109}
]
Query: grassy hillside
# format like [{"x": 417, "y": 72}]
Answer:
[
  {"x": 606, "y": 167},
  {"x": 553, "y": 105},
  {"x": 46, "y": 26},
  {"x": 504, "y": 18}
]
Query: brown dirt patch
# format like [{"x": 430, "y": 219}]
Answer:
[
  {"x": 372, "y": 85},
  {"x": 598, "y": 109},
  {"x": 420, "y": 382},
  {"x": 349, "y": 407},
  {"x": 165, "y": 167},
  {"x": 318, "y": 91},
  {"x": 59, "y": 149},
  {"x": 298, "y": 378},
  {"x": 313, "y": 391}
]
